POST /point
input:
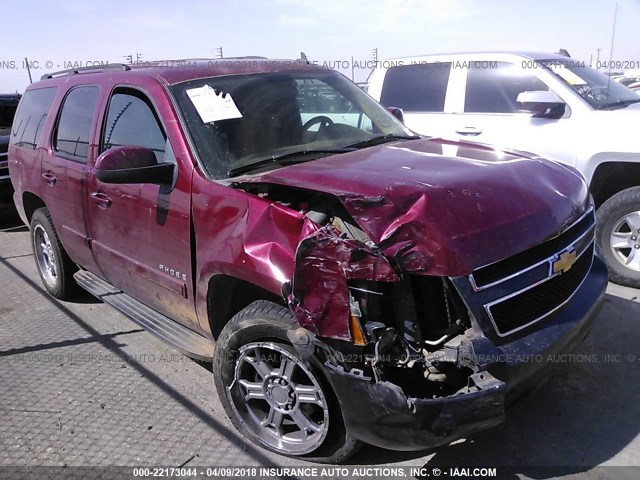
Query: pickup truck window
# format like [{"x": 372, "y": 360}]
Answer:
[
  {"x": 71, "y": 135},
  {"x": 258, "y": 117},
  {"x": 416, "y": 88},
  {"x": 30, "y": 117},
  {"x": 132, "y": 121},
  {"x": 495, "y": 88}
]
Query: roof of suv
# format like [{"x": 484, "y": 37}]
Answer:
[
  {"x": 176, "y": 71},
  {"x": 522, "y": 54}
]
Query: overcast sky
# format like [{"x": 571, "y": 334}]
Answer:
[{"x": 53, "y": 32}]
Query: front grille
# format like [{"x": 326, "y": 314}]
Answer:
[
  {"x": 4, "y": 166},
  {"x": 502, "y": 270},
  {"x": 537, "y": 302}
]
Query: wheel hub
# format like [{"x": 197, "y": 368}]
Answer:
[{"x": 280, "y": 394}]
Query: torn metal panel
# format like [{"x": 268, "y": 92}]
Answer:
[{"x": 319, "y": 297}]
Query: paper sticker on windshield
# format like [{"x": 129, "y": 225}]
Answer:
[
  {"x": 212, "y": 106},
  {"x": 567, "y": 75}
]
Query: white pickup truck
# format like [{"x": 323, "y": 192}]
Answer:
[{"x": 545, "y": 103}]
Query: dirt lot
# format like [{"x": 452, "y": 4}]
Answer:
[{"x": 82, "y": 385}]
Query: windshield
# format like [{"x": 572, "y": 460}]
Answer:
[
  {"x": 243, "y": 121},
  {"x": 599, "y": 90}
]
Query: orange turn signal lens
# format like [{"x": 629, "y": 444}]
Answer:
[{"x": 356, "y": 331}]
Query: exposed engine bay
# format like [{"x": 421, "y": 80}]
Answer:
[{"x": 362, "y": 314}]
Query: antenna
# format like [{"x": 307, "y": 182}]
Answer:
[
  {"x": 613, "y": 36},
  {"x": 26, "y": 62}
]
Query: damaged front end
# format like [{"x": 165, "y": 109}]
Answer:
[
  {"x": 398, "y": 343},
  {"x": 413, "y": 356}
]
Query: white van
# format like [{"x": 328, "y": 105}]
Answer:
[{"x": 545, "y": 103}]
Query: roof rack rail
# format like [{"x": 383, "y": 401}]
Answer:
[{"x": 93, "y": 69}]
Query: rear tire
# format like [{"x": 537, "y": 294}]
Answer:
[
  {"x": 54, "y": 265},
  {"x": 272, "y": 396},
  {"x": 618, "y": 236}
]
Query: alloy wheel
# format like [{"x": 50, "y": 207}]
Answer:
[
  {"x": 625, "y": 241},
  {"x": 45, "y": 255},
  {"x": 279, "y": 399}
]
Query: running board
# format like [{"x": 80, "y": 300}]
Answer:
[{"x": 178, "y": 336}]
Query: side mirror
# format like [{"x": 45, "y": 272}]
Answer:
[
  {"x": 396, "y": 112},
  {"x": 541, "y": 104},
  {"x": 133, "y": 165}
]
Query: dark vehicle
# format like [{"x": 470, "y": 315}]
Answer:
[
  {"x": 350, "y": 281},
  {"x": 8, "y": 105}
]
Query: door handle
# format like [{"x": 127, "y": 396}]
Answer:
[
  {"x": 50, "y": 178},
  {"x": 101, "y": 199},
  {"x": 469, "y": 131}
]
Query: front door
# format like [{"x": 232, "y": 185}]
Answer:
[
  {"x": 490, "y": 111},
  {"x": 140, "y": 232}
]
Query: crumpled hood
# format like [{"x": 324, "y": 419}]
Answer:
[{"x": 444, "y": 208}]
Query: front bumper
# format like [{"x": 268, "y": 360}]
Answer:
[{"x": 380, "y": 414}]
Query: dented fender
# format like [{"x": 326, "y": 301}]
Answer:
[{"x": 325, "y": 262}]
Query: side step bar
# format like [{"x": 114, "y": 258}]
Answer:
[{"x": 178, "y": 336}]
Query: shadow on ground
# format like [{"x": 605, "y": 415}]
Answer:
[
  {"x": 584, "y": 416},
  {"x": 9, "y": 218}
]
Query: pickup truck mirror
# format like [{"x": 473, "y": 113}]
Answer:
[
  {"x": 132, "y": 164},
  {"x": 396, "y": 112},
  {"x": 541, "y": 104}
]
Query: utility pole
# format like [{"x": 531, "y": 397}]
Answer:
[
  {"x": 598, "y": 56},
  {"x": 374, "y": 52},
  {"x": 219, "y": 52}
]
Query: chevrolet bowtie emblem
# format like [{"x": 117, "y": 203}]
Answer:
[{"x": 564, "y": 262}]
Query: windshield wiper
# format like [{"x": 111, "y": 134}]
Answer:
[
  {"x": 287, "y": 158},
  {"x": 621, "y": 103},
  {"x": 369, "y": 142}
]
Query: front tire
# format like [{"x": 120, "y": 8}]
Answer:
[
  {"x": 54, "y": 265},
  {"x": 273, "y": 396},
  {"x": 618, "y": 235}
]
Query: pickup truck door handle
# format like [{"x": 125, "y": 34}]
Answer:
[
  {"x": 469, "y": 131},
  {"x": 101, "y": 199},
  {"x": 50, "y": 178}
]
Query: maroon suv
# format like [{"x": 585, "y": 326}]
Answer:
[{"x": 360, "y": 283}]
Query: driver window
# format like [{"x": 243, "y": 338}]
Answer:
[
  {"x": 318, "y": 99},
  {"x": 493, "y": 87},
  {"x": 131, "y": 121}
]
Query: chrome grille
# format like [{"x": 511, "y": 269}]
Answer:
[{"x": 546, "y": 276}]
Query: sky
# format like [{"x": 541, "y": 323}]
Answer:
[{"x": 70, "y": 33}]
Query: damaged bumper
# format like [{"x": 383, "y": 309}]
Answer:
[{"x": 379, "y": 413}]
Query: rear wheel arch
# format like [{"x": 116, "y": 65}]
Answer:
[
  {"x": 31, "y": 202},
  {"x": 227, "y": 295}
]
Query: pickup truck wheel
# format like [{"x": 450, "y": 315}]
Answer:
[
  {"x": 618, "y": 235},
  {"x": 273, "y": 396},
  {"x": 54, "y": 265}
]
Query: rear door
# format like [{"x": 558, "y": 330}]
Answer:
[
  {"x": 141, "y": 233},
  {"x": 64, "y": 169},
  {"x": 421, "y": 91}
]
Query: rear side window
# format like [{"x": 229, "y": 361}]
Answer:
[
  {"x": 30, "y": 117},
  {"x": 416, "y": 88},
  {"x": 493, "y": 87},
  {"x": 132, "y": 121},
  {"x": 72, "y": 133}
]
